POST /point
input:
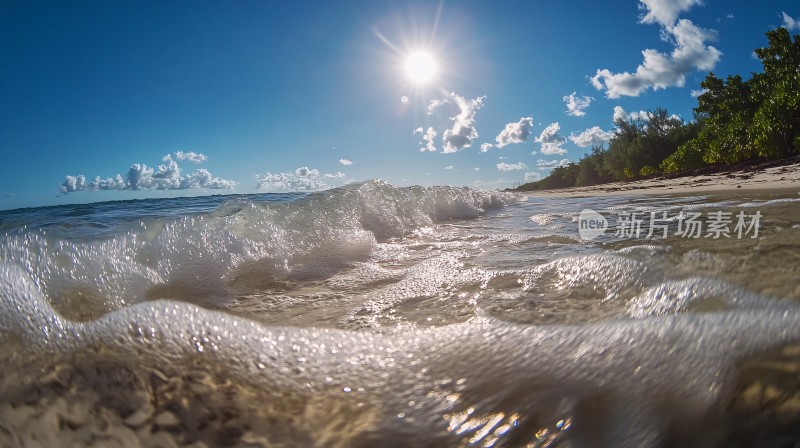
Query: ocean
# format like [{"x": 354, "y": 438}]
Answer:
[{"x": 372, "y": 315}]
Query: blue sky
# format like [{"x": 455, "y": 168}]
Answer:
[{"x": 302, "y": 95}]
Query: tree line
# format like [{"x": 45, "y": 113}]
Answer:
[{"x": 735, "y": 120}]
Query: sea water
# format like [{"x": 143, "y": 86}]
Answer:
[{"x": 372, "y": 315}]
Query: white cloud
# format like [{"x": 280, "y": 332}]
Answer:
[
  {"x": 302, "y": 179},
  {"x": 665, "y": 12},
  {"x": 502, "y": 166},
  {"x": 477, "y": 169},
  {"x": 485, "y": 147},
  {"x": 660, "y": 70},
  {"x": 532, "y": 176},
  {"x": 593, "y": 136},
  {"x": 190, "y": 156},
  {"x": 546, "y": 165},
  {"x": 619, "y": 113},
  {"x": 576, "y": 105},
  {"x": 444, "y": 107},
  {"x": 449, "y": 167},
  {"x": 698, "y": 92},
  {"x": 345, "y": 162},
  {"x": 789, "y": 23},
  {"x": 551, "y": 140},
  {"x": 514, "y": 132},
  {"x": 143, "y": 177},
  {"x": 461, "y": 112},
  {"x": 428, "y": 136}
]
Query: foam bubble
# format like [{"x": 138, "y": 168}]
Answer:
[{"x": 448, "y": 383}]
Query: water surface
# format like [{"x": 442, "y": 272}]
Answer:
[{"x": 372, "y": 315}]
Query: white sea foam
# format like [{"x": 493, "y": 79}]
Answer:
[
  {"x": 470, "y": 374},
  {"x": 378, "y": 316}
]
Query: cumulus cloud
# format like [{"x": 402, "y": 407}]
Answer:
[
  {"x": 449, "y": 167},
  {"x": 345, "y": 162},
  {"x": 546, "y": 165},
  {"x": 789, "y": 23},
  {"x": 551, "y": 140},
  {"x": 502, "y": 166},
  {"x": 301, "y": 179},
  {"x": 514, "y": 133},
  {"x": 428, "y": 136},
  {"x": 143, "y": 177},
  {"x": 593, "y": 136},
  {"x": 576, "y": 104},
  {"x": 698, "y": 92},
  {"x": 461, "y": 112},
  {"x": 661, "y": 70},
  {"x": 485, "y": 147},
  {"x": 665, "y": 12}
]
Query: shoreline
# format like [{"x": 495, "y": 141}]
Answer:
[{"x": 742, "y": 179}]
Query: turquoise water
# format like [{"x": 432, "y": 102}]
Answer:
[{"x": 372, "y": 315}]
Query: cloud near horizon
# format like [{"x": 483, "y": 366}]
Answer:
[
  {"x": 619, "y": 113},
  {"x": 549, "y": 164},
  {"x": 660, "y": 70},
  {"x": 532, "y": 176},
  {"x": 143, "y": 177},
  {"x": 551, "y": 140},
  {"x": 301, "y": 179}
]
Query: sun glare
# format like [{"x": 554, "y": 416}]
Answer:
[{"x": 420, "y": 67}]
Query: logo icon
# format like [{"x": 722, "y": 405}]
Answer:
[{"x": 591, "y": 224}]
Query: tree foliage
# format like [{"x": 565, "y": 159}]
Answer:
[
  {"x": 735, "y": 120},
  {"x": 636, "y": 147},
  {"x": 742, "y": 120}
]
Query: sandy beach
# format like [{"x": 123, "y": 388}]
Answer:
[{"x": 765, "y": 176}]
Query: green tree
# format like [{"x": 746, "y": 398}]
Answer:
[
  {"x": 742, "y": 120},
  {"x": 591, "y": 169},
  {"x": 776, "y": 124}
]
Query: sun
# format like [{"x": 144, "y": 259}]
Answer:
[{"x": 420, "y": 67}]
